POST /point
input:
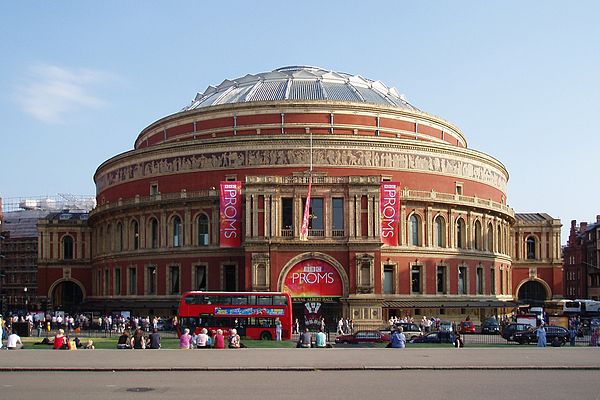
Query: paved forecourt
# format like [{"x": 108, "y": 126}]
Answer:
[{"x": 302, "y": 359}]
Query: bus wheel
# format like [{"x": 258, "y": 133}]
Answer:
[{"x": 266, "y": 336}]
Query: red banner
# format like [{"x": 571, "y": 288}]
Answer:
[
  {"x": 306, "y": 217},
  {"x": 313, "y": 278},
  {"x": 230, "y": 226},
  {"x": 389, "y": 209}
]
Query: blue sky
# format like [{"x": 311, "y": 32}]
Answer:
[{"x": 80, "y": 79}]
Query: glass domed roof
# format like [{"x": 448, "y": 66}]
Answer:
[{"x": 300, "y": 83}]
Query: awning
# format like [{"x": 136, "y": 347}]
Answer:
[
  {"x": 448, "y": 304},
  {"x": 124, "y": 305}
]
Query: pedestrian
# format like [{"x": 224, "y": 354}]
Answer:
[
  {"x": 305, "y": 340},
  {"x": 219, "y": 340},
  {"x": 541, "y": 336},
  {"x": 296, "y": 327},
  {"x": 320, "y": 339},
  {"x": 278, "y": 329},
  {"x": 185, "y": 340},
  {"x": 13, "y": 341},
  {"x": 154, "y": 339},
  {"x": 572, "y": 334},
  {"x": 340, "y": 327},
  {"x": 40, "y": 328},
  {"x": 397, "y": 339}
]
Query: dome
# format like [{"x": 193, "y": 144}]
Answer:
[{"x": 300, "y": 83}]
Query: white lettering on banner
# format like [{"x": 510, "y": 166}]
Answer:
[
  {"x": 230, "y": 212},
  {"x": 312, "y": 278},
  {"x": 388, "y": 212}
]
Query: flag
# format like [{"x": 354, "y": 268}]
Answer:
[{"x": 305, "y": 219}]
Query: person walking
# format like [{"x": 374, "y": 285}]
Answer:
[
  {"x": 278, "y": 329},
  {"x": 541, "y": 336}
]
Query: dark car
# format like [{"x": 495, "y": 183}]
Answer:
[
  {"x": 435, "y": 337},
  {"x": 552, "y": 332},
  {"x": 363, "y": 337},
  {"x": 467, "y": 327},
  {"x": 509, "y": 330},
  {"x": 490, "y": 327}
]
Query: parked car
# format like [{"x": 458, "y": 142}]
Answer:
[
  {"x": 366, "y": 336},
  {"x": 490, "y": 327},
  {"x": 467, "y": 327},
  {"x": 552, "y": 332},
  {"x": 446, "y": 326},
  {"x": 410, "y": 330},
  {"x": 435, "y": 337},
  {"x": 509, "y": 330}
]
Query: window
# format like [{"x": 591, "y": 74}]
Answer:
[
  {"x": 200, "y": 277},
  {"x": 493, "y": 280},
  {"x": 174, "y": 280},
  {"x": 105, "y": 283},
  {"x": 460, "y": 233},
  {"x": 499, "y": 239},
  {"x": 365, "y": 274},
  {"x": 531, "y": 248},
  {"x": 154, "y": 240},
  {"x": 108, "y": 238},
  {"x": 479, "y": 281},
  {"x": 414, "y": 233},
  {"x": 415, "y": 279},
  {"x": 229, "y": 278},
  {"x": 261, "y": 275},
  {"x": 441, "y": 279},
  {"x": 287, "y": 216},
  {"x": 67, "y": 247},
  {"x": 177, "y": 232},
  {"x": 117, "y": 289},
  {"x": 501, "y": 281},
  {"x": 462, "y": 280},
  {"x": 203, "y": 230},
  {"x": 154, "y": 189},
  {"x": 439, "y": 231},
  {"x": 490, "y": 238},
  {"x": 388, "y": 279},
  {"x": 119, "y": 237},
  {"x": 315, "y": 219},
  {"x": 459, "y": 189},
  {"x": 337, "y": 207},
  {"x": 151, "y": 280},
  {"x": 135, "y": 232},
  {"x": 132, "y": 281},
  {"x": 477, "y": 239}
]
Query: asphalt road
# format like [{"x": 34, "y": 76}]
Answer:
[{"x": 291, "y": 385}]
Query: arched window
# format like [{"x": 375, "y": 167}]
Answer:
[
  {"x": 439, "y": 230},
  {"x": 414, "y": 230},
  {"x": 100, "y": 244},
  {"x": 135, "y": 233},
  {"x": 531, "y": 248},
  {"x": 203, "y": 230},
  {"x": 499, "y": 239},
  {"x": 490, "y": 238},
  {"x": 460, "y": 233},
  {"x": 119, "y": 237},
  {"x": 67, "y": 246},
  {"x": 477, "y": 240},
  {"x": 108, "y": 239},
  {"x": 177, "y": 232},
  {"x": 154, "y": 238}
]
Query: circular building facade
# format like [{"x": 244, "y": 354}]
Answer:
[{"x": 162, "y": 224}]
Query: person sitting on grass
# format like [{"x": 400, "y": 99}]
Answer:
[
  {"x": 13, "y": 341},
  {"x": 59, "y": 340},
  {"x": 124, "y": 341},
  {"x": 234, "y": 340},
  {"x": 305, "y": 340},
  {"x": 320, "y": 339}
]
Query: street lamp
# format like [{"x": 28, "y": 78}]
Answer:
[{"x": 25, "y": 297}]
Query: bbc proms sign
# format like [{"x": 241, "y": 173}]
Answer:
[
  {"x": 230, "y": 218},
  {"x": 313, "y": 278},
  {"x": 389, "y": 208}
]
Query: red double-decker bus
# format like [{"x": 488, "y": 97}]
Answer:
[{"x": 253, "y": 314}]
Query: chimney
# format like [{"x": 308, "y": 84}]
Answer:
[
  {"x": 597, "y": 218},
  {"x": 582, "y": 226}
]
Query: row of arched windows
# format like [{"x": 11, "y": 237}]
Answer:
[
  {"x": 439, "y": 237},
  {"x": 120, "y": 237}
]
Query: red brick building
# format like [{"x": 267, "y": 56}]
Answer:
[
  {"x": 155, "y": 232},
  {"x": 582, "y": 261}
]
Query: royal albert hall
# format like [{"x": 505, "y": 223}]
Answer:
[{"x": 403, "y": 217}]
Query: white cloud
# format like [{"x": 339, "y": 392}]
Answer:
[{"x": 50, "y": 93}]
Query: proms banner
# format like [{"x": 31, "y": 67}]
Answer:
[
  {"x": 389, "y": 208},
  {"x": 230, "y": 221},
  {"x": 313, "y": 278}
]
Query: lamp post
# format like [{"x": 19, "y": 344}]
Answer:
[{"x": 25, "y": 298}]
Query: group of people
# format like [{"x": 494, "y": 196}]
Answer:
[
  {"x": 215, "y": 340},
  {"x": 306, "y": 340},
  {"x": 139, "y": 340}
]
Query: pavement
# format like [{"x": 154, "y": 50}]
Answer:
[{"x": 335, "y": 359}]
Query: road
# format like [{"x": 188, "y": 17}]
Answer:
[{"x": 288, "y": 385}]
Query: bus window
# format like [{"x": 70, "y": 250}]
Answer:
[
  {"x": 264, "y": 300},
  {"x": 239, "y": 300},
  {"x": 280, "y": 301}
]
